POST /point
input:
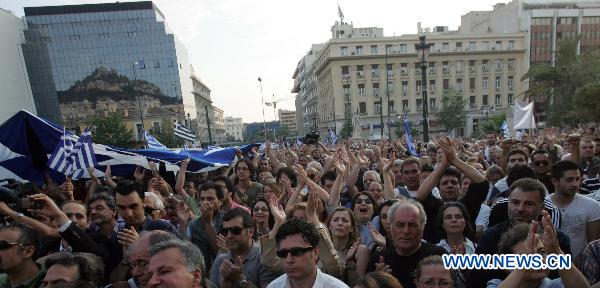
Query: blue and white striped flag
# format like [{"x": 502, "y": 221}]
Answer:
[
  {"x": 298, "y": 142},
  {"x": 332, "y": 136},
  {"x": 504, "y": 129},
  {"x": 73, "y": 159},
  {"x": 60, "y": 158},
  {"x": 409, "y": 144},
  {"x": 184, "y": 132},
  {"x": 152, "y": 142}
]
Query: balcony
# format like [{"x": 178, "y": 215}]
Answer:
[
  {"x": 419, "y": 108},
  {"x": 498, "y": 89},
  {"x": 459, "y": 72},
  {"x": 404, "y": 73},
  {"x": 360, "y": 75},
  {"x": 511, "y": 69},
  {"x": 374, "y": 74},
  {"x": 345, "y": 76},
  {"x": 472, "y": 70},
  {"x": 498, "y": 69},
  {"x": 431, "y": 72},
  {"x": 390, "y": 73},
  {"x": 485, "y": 69},
  {"x": 418, "y": 72}
]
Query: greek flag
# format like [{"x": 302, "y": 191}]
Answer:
[
  {"x": 152, "y": 142},
  {"x": 184, "y": 132},
  {"x": 332, "y": 136},
  {"x": 298, "y": 142},
  {"x": 60, "y": 158},
  {"x": 504, "y": 129},
  {"x": 73, "y": 159}
]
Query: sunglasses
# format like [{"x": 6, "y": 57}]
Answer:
[
  {"x": 5, "y": 244},
  {"x": 543, "y": 162},
  {"x": 363, "y": 200},
  {"x": 296, "y": 251},
  {"x": 234, "y": 230}
]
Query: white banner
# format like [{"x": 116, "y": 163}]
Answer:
[{"x": 523, "y": 116}]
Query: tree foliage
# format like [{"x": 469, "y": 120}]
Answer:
[
  {"x": 401, "y": 131},
  {"x": 347, "y": 129},
  {"x": 492, "y": 124},
  {"x": 111, "y": 130},
  {"x": 568, "y": 88},
  {"x": 453, "y": 114}
]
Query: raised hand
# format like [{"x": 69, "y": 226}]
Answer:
[
  {"x": 377, "y": 237},
  {"x": 222, "y": 244},
  {"x": 232, "y": 272},
  {"x": 549, "y": 238},
  {"x": 107, "y": 172},
  {"x": 381, "y": 266},
  {"x": 276, "y": 210},
  {"x": 139, "y": 174},
  {"x": 207, "y": 209},
  {"x": 126, "y": 237},
  {"x": 351, "y": 254}
]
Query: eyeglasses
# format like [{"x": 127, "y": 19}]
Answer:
[
  {"x": 5, "y": 244},
  {"x": 432, "y": 283},
  {"x": 296, "y": 251},
  {"x": 539, "y": 163},
  {"x": 363, "y": 200},
  {"x": 234, "y": 230}
]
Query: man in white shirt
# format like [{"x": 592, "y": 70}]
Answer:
[
  {"x": 580, "y": 215},
  {"x": 297, "y": 247}
]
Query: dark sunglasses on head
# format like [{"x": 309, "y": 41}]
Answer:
[
  {"x": 363, "y": 200},
  {"x": 296, "y": 251},
  {"x": 543, "y": 162},
  {"x": 5, "y": 244},
  {"x": 311, "y": 176},
  {"x": 233, "y": 230}
]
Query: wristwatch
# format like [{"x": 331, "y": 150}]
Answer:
[{"x": 19, "y": 215}]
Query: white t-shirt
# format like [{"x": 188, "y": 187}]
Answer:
[
  {"x": 574, "y": 219},
  {"x": 483, "y": 218}
]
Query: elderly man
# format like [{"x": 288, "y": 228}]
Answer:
[
  {"x": 177, "y": 263},
  {"x": 407, "y": 220}
]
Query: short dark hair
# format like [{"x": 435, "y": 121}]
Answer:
[
  {"x": 375, "y": 208},
  {"x": 247, "y": 220},
  {"x": 430, "y": 260},
  {"x": 559, "y": 168},
  {"x": 329, "y": 175},
  {"x": 109, "y": 200},
  {"x": 519, "y": 172},
  {"x": 452, "y": 171},
  {"x": 126, "y": 188},
  {"x": 28, "y": 236},
  {"x": 89, "y": 266},
  {"x": 517, "y": 151},
  {"x": 411, "y": 160},
  {"x": 540, "y": 151},
  {"x": 298, "y": 226},
  {"x": 211, "y": 185},
  {"x": 511, "y": 237},
  {"x": 289, "y": 172},
  {"x": 227, "y": 181},
  {"x": 529, "y": 185},
  {"x": 427, "y": 168},
  {"x": 378, "y": 279}
]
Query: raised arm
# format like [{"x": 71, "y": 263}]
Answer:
[
  {"x": 108, "y": 178},
  {"x": 353, "y": 168},
  {"x": 432, "y": 180},
  {"x": 336, "y": 188},
  {"x": 323, "y": 195},
  {"x": 388, "y": 180},
  {"x": 45, "y": 230},
  {"x": 450, "y": 153},
  {"x": 179, "y": 183}
]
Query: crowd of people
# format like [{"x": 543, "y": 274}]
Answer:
[{"x": 356, "y": 214}]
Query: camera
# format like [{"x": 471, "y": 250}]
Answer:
[
  {"x": 14, "y": 194},
  {"x": 311, "y": 138}
]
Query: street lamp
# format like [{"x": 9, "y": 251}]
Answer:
[{"x": 422, "y": 49}]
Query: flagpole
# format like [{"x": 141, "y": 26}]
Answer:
[{"x": 263, "y": 109}]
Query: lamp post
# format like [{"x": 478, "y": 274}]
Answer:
[
  {"x": 422, "y": 49},
  {"x": 137, "y": 96}
]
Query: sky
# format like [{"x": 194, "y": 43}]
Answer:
[{"x": 233, "y": 42}]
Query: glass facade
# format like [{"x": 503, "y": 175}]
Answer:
[{"x": 67, "y": 44}]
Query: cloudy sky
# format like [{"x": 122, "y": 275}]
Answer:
[{"x": 233, "y": 42}]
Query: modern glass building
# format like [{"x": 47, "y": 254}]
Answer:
[{"x": 65, "y": 45}]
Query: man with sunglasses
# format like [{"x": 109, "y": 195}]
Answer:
[
  {"x": 18, "y": 244},
  {"x": 540, "y": 162},
  {"x": 297, "y": 247},
  {"x": 241, "y": 266}
]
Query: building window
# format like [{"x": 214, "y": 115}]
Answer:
[
  {"x": 156, "y": 64},
  {"x": 132, "y": 34},
  {"x": 418, "y": 86},
  {"x": 459, "y": 84},
  {"x": 510, "y": 82},
  {"x": 484, "y": 100},
  {"x": 432, "y": 104},
  {"x": 140, "y": 64},
  {"x": 156, "y": 126},
  {"x": 390, "y": 85},
  {"x": 472, "y": 101},
  {"x": 419, "y": 104},
  {"x": 498, "y": 65},
  {"x": 497, "y": 101},
  {"x": 458, "y": 47},
  {"x": 344, "y": 50},
  {"x": 361, "y": 89},
  {"x": 511, "y": 64},
  {"x": 377, "y": 106},
  {"x": 103, "y": 35},
  {"x": 511, "y": 44},
  {"x": 390, "y": 70},
  {"x": 359, "y": 50},
  {"x": 391, "y": 107},
  {"x": 403, "y": 48},
  {"x": 376, "y": 89},
  {"x": 484, "y": 83},
  {"x": 74, "y": 37},
  {"x": 510, "y": 98},
  {"x": 472, "y": 46},
  {"x": 445, "y": 69},
  {"x": 486, "y": 46},
  {"x": 346, "y": 90},
  {"x": 375, "y": 70},
  {"x": 404, "y": 69},
  {"x": 404, "y": 88},
  {"x": 362, "y": 107},
  {"x": 498, "y": 80},
  {"x": 374, "y": 50},
  {"x": 446, "y": 84},
  {"x": 388, "y": 49},
  {"x": 498, "y": 45},
  {"x": 445, "y": 47}
]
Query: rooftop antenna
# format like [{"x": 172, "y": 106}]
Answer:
[{"x": 340, "y": 13}]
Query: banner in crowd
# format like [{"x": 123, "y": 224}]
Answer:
[
  {"x": 523, "y": 116},
  {"x": 28, "y": 141}
]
